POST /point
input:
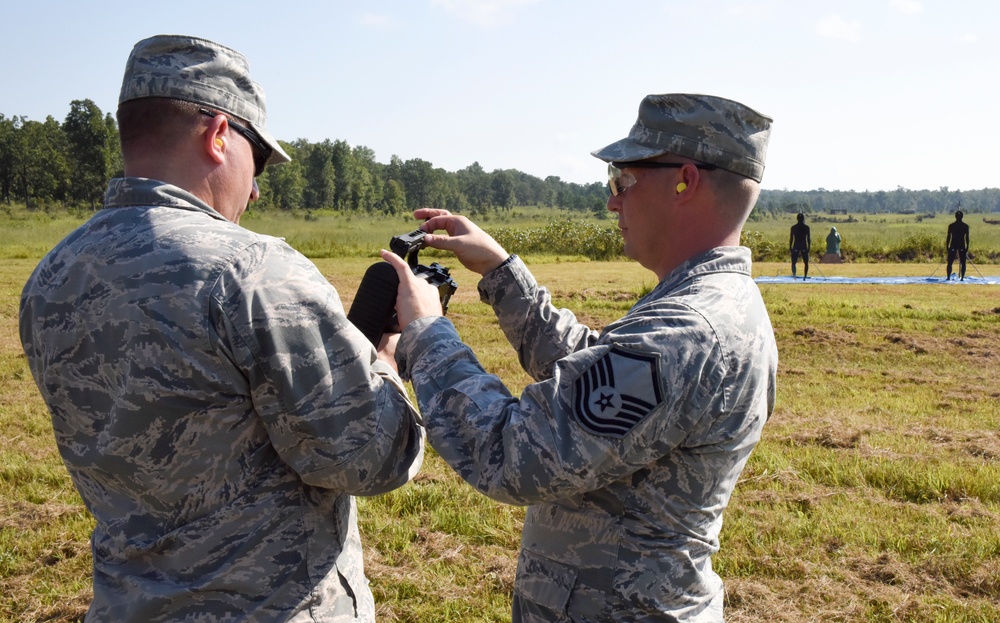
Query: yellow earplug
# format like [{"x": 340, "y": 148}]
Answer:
[
  {"x": 218, "y": 142},
  {"x": 681, "y": 187}
]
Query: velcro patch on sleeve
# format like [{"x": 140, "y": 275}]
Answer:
[{"x": 616, "y": 392}]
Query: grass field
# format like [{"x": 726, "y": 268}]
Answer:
[
  {"x": 881, "y": 228},
  {"x": 874, "y": 495},
  {"x": 30, "y": 234},
  {"x": 322, "y": 234}
]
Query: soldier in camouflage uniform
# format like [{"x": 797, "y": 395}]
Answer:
[
  {"x": 213, "y": 404},
  {"x": 629, "y": 444}
]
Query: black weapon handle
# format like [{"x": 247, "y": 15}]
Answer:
[{"x": 374, "y": 304}]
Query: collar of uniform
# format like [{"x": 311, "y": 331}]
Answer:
[
  {"x": 717, "y": 260},
  {"x": 126, "y": 192}
]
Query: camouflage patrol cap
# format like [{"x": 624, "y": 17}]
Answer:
[
  {"x": 705, "y": 128},
  {"x": 200, "y": 71}
]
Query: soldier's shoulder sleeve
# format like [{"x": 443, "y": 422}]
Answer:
[
  {"x": 607, "y": 410},
  {"x": 335, "y": 415}
]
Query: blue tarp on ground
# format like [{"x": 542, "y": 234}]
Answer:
[{"x": 977, "y": 280}]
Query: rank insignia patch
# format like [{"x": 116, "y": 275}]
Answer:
[{"x": 616, "y": 392}]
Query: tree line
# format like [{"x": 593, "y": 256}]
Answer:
[
  {"x": 781, "y": 203},
  {"x": 67, "y": 165},
  {"x": 53, "y": 165}
]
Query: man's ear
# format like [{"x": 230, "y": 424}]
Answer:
[
  {"x": 690, "y": 181},
  {"x": 214, "y": 139}
]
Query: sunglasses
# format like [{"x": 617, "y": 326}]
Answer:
[
  {"x": 619, "y": 181},
  {"x": 261, "y": 150}
]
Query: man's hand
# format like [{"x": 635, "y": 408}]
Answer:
[
  {"x": 476, "y": 249},
  {"x": 415, "y": 298}
]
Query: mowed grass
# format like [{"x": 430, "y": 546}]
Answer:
[{"x": 874, "y": 495}]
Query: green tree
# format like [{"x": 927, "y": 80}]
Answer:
[
  {"x": 365, "y": 183},
  {"x": 91, "y": 151},
  {"x": 287, "y": 182},
  {"x": 394, "y": 198},
  {"x": 8, "y": 155},
  {"x": 474, "y": 183},
  {"x": 553, "y": 186},
  {"x": 418, "y": 179},
  {"x": 320, "y": 189},
  {"x": 116, "y": 166},
  {"x": 340, "y": 156},
  {"x": 502, "y": 185},
  {"x": 41, "y": 172}
]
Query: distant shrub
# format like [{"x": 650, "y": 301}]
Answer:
[
  {"x": 761, "y": 249},
  {"x": 916, "y": 248},
  {"x": 562, "y": 237}
]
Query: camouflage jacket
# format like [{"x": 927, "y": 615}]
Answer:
[
  {"x": 216, "y": 411},
  {"x": 628, "y": 446}
]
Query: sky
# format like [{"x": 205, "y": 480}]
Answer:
[{"x": 864, "y": 94}]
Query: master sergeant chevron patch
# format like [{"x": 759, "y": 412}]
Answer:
[{"x": 616, "y": 392}]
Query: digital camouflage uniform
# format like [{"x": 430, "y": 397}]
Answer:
[
  {"x": 216, "y": 411},
  {"x": 628, "y": 446}
]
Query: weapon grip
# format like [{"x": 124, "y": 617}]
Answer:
[{"x": 374, "y": 305}]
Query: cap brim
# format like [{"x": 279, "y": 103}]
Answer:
[
  {"x": 626, "y": 150},
  {"x": 278, "y": 154}
]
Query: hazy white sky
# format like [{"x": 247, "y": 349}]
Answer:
[{"x": 865, "y": 94}]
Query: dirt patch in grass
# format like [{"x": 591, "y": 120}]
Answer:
[
  {"x": 72, "y": 609},
  {"x": 28, "y": 573},
  {"x": 462, "y": 572},
  {"x": 918, "y": 346},
  {"x": 983, "y": 444},
  {"x": 978, "y": 444},
  {"x": 598, "y": 294},
  {"x": 826, "y": 336},
  {"x": 818, "y": 597},
  {"x": 18, "y": 515},
  {"x": 855, "y": 587},
  {"x": 832, "y": 437}
]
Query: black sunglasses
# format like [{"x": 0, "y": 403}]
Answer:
[
  {"x": 261, "y": 150},
  {"x": 615, "y": 171}
]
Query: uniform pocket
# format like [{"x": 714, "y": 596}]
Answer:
[{"x": 544, "y": 581}]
